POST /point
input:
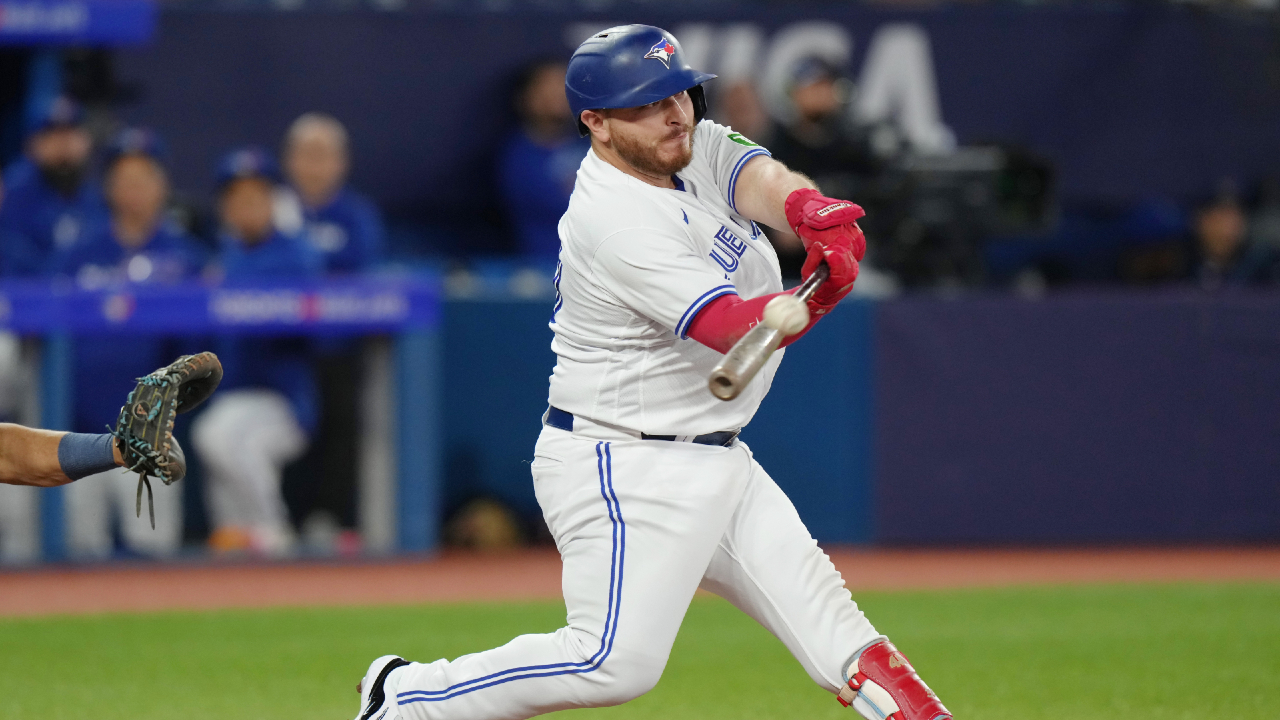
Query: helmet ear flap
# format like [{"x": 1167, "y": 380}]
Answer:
[{"x": 699, "y": 98}]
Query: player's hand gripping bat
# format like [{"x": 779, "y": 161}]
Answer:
[{"x": 749, "y": 354}]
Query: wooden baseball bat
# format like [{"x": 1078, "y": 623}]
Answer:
[{"x": 749, "y": 354}]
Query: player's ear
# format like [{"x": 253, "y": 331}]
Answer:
[{"x": 595, "y": 122}]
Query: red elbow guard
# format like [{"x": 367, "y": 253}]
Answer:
[{"x": 727, "y": 318}]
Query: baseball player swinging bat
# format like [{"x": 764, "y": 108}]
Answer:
[
  {"x": 640, "y": 474},
  {"x": 749, "y": 354}
]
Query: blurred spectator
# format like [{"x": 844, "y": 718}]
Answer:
[
  {"x": 539, "y": 162},
  {"x": 265, "y": 410},
  {"x": 137, "y": 245},
  {"x": 51, "y": 200},
  {"x": 822, "y": 143},
  {"x": 347, "y": 229},
  {"x": 1152, "y": 237},
  {"x": 344, "y": 226},
  {"x": 18, "y": 503},
  {"x": 1264, "y": 223},
  {"x": 1222, "y": 254}
]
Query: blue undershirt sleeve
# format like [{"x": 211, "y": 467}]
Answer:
[{"x": 84, "y": 454}]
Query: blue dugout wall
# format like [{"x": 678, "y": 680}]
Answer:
[
  {"x": 813, "y": 433},
  {"x": 1080, "y": 418},
  {"x": 1083, "y": 417}
]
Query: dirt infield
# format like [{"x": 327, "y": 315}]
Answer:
[{"x": 535, "y": 574}]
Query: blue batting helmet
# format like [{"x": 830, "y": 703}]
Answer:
[{"x": 629, "y": 66}]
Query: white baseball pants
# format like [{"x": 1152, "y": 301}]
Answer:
[
  {"x": 90, "y": 502},
  {"x": 245, "y": 439},
  {"x": 19, "y": 524},
  {"x": 640, "y": 525},
  {"x": 19, "y": 504}
]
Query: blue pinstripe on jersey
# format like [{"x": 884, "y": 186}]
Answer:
[{"x": 604, "y": 466}]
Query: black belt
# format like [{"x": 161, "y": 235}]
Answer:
[{"x": 562, "y": 420}]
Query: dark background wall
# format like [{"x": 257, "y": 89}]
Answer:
[
  {"x": 1092, "y": 418},
  {"x": 1128, "y": 102}
]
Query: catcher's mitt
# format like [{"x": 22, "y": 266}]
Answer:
[{"x": 144, "y": 430}]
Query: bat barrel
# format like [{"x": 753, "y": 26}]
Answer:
[
  {"x": 736, "y": 369},
  {"x": 743, "y": 361}
]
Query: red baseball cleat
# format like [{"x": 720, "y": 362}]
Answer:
[{"x": 882, "y": 684}]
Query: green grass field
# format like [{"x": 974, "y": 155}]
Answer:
[{"x": 1093, "y": 652}]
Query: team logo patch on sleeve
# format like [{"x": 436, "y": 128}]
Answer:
[
  {"x": 662, "y": 50},
  {"x": 742, "y": 140}
]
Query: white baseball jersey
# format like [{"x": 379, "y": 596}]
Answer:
[
  {"x": 642, "y": 524},
  {"x": 637, "y": 263}
]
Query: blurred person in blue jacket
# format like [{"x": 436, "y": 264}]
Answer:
[
  {"x": 136, "y": 245},
  {"x": 51, "y": 199},
  {"x": 346, "y": 229},
  {"x": 539, "y": 162},
  {"x": 18, "y": 504},
  {"x": 1222, "y": 253},
  {"x": 342, "y": 225},
  {"x": 265, "y": 412}
]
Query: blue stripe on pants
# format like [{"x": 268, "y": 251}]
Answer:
[{"x": 604, "y": 465}]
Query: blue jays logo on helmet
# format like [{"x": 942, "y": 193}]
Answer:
[
  {"x": 662, "y": 50},
  {"x": 611, "y": 69}
]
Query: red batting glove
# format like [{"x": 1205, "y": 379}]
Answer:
[
  {"x": 823, "y": 221},
  {"x": 844, "y": 270}
]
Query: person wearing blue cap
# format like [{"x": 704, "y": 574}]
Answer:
[
  {"x": 51, "y": 200},
  {"x": 138, "y": 245},
  {"x": 46, "y": 205},
  {"x": 268, "y": 411}
]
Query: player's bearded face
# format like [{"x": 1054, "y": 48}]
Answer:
[{"x": 655, "y": 139}]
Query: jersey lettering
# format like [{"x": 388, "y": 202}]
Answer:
[
  {"x": 728, "y": 249},
  {"x": 639, "y": 264}
]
